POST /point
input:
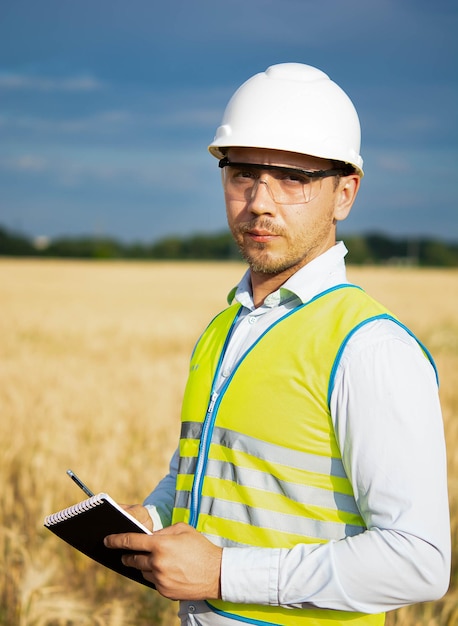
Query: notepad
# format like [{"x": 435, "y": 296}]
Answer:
[{"x": 85, "y": 525}]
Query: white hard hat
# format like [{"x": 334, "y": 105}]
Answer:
[{"x": 292, "y": 107}]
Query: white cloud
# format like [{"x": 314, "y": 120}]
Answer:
[
  {"x": 31, "y": 163},
  {"x": 111, "y": 122},
  {"x": 393, "y": 162},
  {"x": 24, "y": 163},
  {"x": 150, "y": 169},
  {"x": 99, "y": 122},
  {"x": 16, "y": 82},
  {"x": 201, "y": 117}
]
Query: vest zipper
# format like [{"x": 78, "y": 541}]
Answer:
[
  {"x": 205, "y": 440},
  {"x": 207, "y": 429}
]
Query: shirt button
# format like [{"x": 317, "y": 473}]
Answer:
[
  {"x": 252, "y": 319},
  {"x": 192, "y": 608}
]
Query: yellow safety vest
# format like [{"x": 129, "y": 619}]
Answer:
[{"x": 259, "y": 463}]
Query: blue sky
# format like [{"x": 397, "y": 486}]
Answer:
[{"x": 107, "y": 108}]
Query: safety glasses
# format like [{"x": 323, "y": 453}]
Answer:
[{"x": 286, "y": 185}]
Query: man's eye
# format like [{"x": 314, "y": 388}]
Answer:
[
  {"x": 244, "y": 174},
  {"x": 296, "y": 179}
]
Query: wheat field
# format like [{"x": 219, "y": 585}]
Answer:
[{"x": 93, "y": 362}]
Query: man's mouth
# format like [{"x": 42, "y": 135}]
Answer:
[
  {"x": 261, "y": 235},
  {"x": 260, "y": 232}
]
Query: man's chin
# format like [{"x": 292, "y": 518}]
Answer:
[
  {"x": 262, "y": 259},
  {"x": 266, "y": 265}
]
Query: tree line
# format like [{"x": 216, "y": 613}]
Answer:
[{"x": 372, "y": 248}]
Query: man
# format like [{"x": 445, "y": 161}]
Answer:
[{"x": 310, "y": 482}]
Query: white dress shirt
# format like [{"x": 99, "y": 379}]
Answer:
[{"x": 387, "y": 418}]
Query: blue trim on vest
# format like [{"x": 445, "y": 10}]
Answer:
[
  {"x": 331, "y": 289},
  {"x": 239, "y": 618},
  {"x": 382, "y": 316},
  {"x": 292, "y": 312},
  {"x": 206, "y": 437}
]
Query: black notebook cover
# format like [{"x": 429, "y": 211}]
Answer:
[{"x": 85, "y": 525}]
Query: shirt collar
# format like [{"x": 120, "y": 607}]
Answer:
[{"x": 326, "y": 271}]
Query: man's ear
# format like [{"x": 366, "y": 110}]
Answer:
[{"x": 345, "y": 195}]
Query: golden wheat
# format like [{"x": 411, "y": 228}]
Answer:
[{"x": 93, "y": 361}]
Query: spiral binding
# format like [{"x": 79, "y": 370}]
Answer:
[{"x": 74, "y": 510}]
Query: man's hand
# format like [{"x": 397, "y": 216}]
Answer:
[
  {"x": 140, "y": 513},
  {"x": 180, "y": 561}
]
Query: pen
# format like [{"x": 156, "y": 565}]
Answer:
[{"x": 80, "y": 483}]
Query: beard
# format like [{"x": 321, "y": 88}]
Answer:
[{"x": 259, "y": 255}]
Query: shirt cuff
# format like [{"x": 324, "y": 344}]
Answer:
[
  {"x": 153, "y": 513},
  {"x": 250, "y": 575}
]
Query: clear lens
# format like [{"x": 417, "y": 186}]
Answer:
[{"x": 285, "y": 185}]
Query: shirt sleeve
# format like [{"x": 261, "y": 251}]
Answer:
[
  {"x": 160, "y": 501},
  {"x": 388, "y": 422}
]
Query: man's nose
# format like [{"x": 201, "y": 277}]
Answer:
[{"x": 261, "y": 200}]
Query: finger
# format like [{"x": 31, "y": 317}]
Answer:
[
  {"x": 129, "y": 560},
  {"x": 138, "y": 561},
  {"x": 140, "y": 513},
  {"x": 176, "y": 529},
  {"x": 129, "y": 541}
]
